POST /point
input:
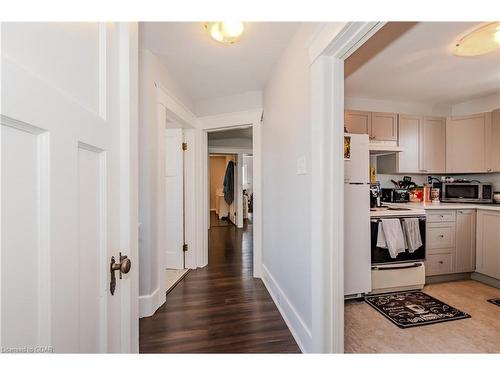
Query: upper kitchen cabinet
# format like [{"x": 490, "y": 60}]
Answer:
[
  {"x": 423, "y": 140},
  {"x": 384, "y": 126},
  {"x": 409, "y": 140},
  {"x": 380, "y": 126},
  {"x": 433, "y": 145},
  {"x": 492, "y": 147},
  {"x": 358, "y": 122},
  {"x": 466, "y": 143}
]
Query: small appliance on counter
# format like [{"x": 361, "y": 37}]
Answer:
[
  {"x": 375, "y": 195},
  {"x": 465, "y": 191},
  {"x": 395, "y": 195}
]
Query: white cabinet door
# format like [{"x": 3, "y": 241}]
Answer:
[
  {"x": 67, "y": 186},
  {"x": 465, "y": 143},
  {"x": 493, "y": 143},
  {"x": 433, "y": 145},
  {"x": 465, "y": 256},
  {"x": 384, "y": 126},
  {"x": 357, "y": 122},
  {"x": 174, "y": 190},
  {"x": 488, "y": 243},
  {"x": 409, "y": 140}
]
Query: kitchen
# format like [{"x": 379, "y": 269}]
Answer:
[{"x": 422, "y": 191}]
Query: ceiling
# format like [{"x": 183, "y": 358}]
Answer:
[
  {"x": 208, "y": 69},
  {"x": 245, "y": 133},
  {"x": 418, "y": 66}
]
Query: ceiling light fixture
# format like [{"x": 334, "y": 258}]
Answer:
[
  {"x": 480, "y": 41},
  {"x": 225, "y": 32}
]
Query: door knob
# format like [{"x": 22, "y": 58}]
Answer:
[{"x": 123, "y": 266}]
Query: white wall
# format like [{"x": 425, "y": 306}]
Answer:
[
  {"x": 286, "y": 136},
  {"x": 231, "y": 143},
  {"x": 409, "y": 108},
  {"x": 248, "y": 165},
  {"x": 483, "y": 104},
  {"x": 227, "y": 104},
  {"x": 150, "y": 71}
]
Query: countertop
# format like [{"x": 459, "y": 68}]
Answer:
[
  {"x": 405, "y": 211},
  {"x": 445, "y": 206}
]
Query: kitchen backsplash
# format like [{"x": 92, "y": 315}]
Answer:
[{"x": 494, "y": 178}]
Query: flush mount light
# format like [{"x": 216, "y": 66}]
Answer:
[
  {"x": 225, "y": 32},
  {"x": 480, "y": 41}
]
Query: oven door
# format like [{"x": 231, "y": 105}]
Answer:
[{"x": 382, "y": 256}]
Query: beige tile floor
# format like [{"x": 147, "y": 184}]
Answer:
[{"x": 367, "y": 331}]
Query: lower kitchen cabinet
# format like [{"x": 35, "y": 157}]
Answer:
[
  {"x": 439, "y": 264},
  {"x": 488, "y": 243},
  {"x": 450, "y": 242},
  {"x": 465, "y": 251}
]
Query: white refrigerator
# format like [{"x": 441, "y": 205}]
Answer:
[{"x": 357, "y": 246}]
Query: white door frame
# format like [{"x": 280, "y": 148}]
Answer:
[
  {"x": 225, "y": 122},
  {"x": 166, "y": 103},
  {"x": 331, "y": 46},
  {"x": 238, "y": 176}
]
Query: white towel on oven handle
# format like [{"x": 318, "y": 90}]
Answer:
[
  {"x": 412, "y": 231},
  {"x": 392, "y": 237}
]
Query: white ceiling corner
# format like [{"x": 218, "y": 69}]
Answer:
[
  {"x": 208, "y": 69},
  {"x": 419, "y": 67}
]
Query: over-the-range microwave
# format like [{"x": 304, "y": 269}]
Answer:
[{"x": 467, "y": 192}]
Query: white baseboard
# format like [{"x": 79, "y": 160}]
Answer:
[
  {"x": 149, "y": 303},
  {"x": 300, "y": 332}
]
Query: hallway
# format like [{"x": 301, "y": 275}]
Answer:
[{"x": 220, "y": 308}]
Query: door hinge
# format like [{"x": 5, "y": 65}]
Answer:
[
  {"x": 185, "y": 247},
  {"x": 184, "y": 146}
]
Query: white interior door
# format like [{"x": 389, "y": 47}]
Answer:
[
  {"x": 174, "y": 206},
  {"x": 66, "y": 186}
]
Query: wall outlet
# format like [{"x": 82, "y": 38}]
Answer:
[{"x": 301, "y": 165}]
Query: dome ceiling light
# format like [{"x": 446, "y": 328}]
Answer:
[
  {"x": 225, "y": 32},
  {"x": 481, "y": 41}
]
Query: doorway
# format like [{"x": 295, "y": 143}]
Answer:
[
  {"x": 177, "y": 188},
  {"x": 222, "y": 213}
]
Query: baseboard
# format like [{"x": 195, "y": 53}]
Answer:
[
  {"x": 491, "y": 281},
  {"x": 446, "y": 278},
  {"x": 148, "y": 304},
  {"x": 300, "y": 332}
]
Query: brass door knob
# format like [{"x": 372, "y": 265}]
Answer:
[
  {"x": 123, "y": 267},
  {"x": 125, "y": 264}
]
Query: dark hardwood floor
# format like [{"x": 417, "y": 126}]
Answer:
[{"x": 220, "y": 308}]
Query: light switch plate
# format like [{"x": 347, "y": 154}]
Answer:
[{"x": 301, "y": 165}]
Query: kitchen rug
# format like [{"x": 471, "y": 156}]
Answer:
[
  {"x": 495, "y": 301},
  {"x": 413, "y": 308}
]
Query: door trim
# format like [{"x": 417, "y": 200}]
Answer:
[
  {"x": 225, "y": 122},
  {"x": 327, "y": 191}
]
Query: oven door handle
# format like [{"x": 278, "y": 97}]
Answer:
[{"x": 414, "y": 265}]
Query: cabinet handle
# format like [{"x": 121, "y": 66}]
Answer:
[
  {"x": 441, "y": 235},
  {"x": 441, "y": 262}
]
